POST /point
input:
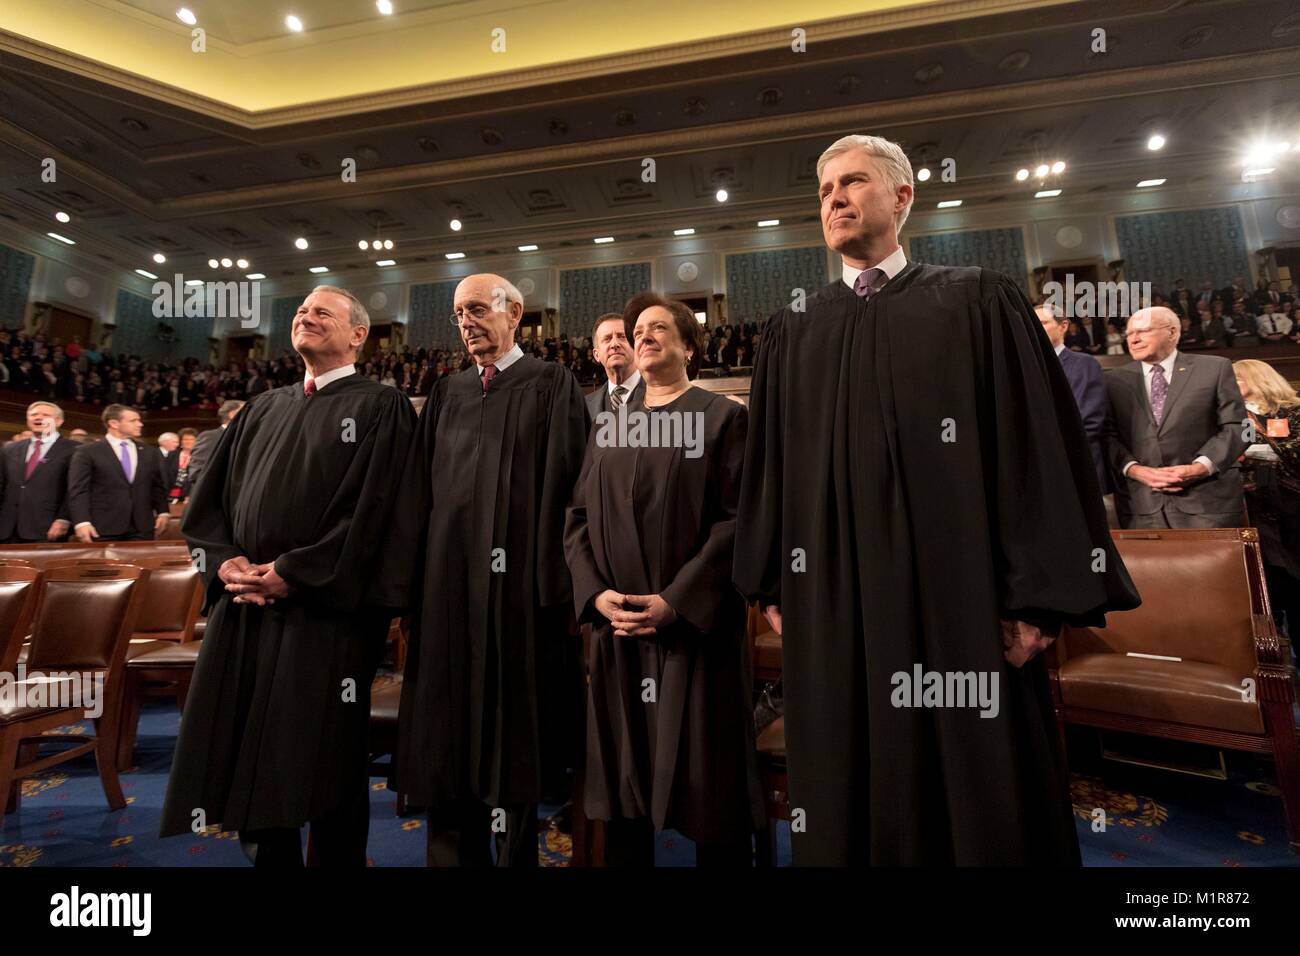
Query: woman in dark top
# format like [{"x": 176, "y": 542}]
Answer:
[
  {"x": 1271, "y": 473},
  {"x": 648, "y": 542}
]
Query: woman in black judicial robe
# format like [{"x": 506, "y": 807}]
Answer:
[
  {"x": 677, "y": 753},
  {"x": 272, "y": 737}
]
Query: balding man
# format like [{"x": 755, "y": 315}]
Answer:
[
  {"x": 35, "y": 480},
  {"x": 493, "y": 689},
  {"x": 1175, "y": 431}
]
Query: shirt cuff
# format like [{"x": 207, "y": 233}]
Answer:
[
  {"x": 1207, "y": 463},
  {"x": 81, "y": 524},
  {"x": 1127, "y": 467}
]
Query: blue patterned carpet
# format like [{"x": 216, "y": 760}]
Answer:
[{"x": 1153, "y": 818}]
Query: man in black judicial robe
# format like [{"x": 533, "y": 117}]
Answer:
[
  {"x": 492, "y": 696},
  {"x": 289, "y": 519},
  {"x": 918, "y": 491}
]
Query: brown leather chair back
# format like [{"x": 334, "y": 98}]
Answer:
[
  {"x": 1196, "y": 600},
  {"x": 85, "y": 617},
  {"x": 19, "y": 589},
  {"x": 174, "y": 597},
  {"x": 42, "y": 554}
]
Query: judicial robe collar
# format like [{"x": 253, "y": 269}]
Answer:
[{"x": 891, "y": 265}]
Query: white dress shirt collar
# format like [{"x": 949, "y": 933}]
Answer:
[
  {"x": 505, "y": 361},
  {"x": 333, "y": 375},
  {"x": 632, "y": 381},
  {"x": 1059, "y": 349},
  {"x": 891, "y": 265},
  {"x": 1167, "y": 365}
]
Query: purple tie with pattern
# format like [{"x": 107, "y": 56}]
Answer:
[
  {"x": 126, "y": 461},
  {"x": 1159, "y": 392},
  {"x": 865, "y": 284}
]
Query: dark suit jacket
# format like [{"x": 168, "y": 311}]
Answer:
[
  {"x": 598, "y": 401},
  {"x": 30, "y": 507},
  {"x": 1203, "y": 416},
  {"x": 1085, "y": 376},
  {"x": 98, "y": 491}
]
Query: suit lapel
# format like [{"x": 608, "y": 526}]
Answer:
[
  {"x": 117, "y": 462},
  {"x": 1178, "y": 381},
  {"x": 1142, "y": 398}
]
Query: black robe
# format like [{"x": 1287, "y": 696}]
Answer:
[
  {"x": 268, "y": 739},
  {"x": 654, "y": 521},
  {"x": 492, "y": 690},
  {"x": 915, "y": 548}
]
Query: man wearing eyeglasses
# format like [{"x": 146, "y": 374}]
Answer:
[
  {"x": 1175, "y": 431},
  {"x": 492, "y": 689}
]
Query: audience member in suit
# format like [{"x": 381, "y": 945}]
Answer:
[
  {"x": 35, "y": 480},
  {"x": 115, "y": 486},
  {"x": 176, "y": 466},
  {"x": 1174, "y": 433},
  {"x": 1237, "y": 292},
  {"x": 206, "y": 443},
  {"x": 614, "y": 353},
  {"x": 1272, "y": 326},
  {"x": 168, "y": 442},
  {"x": 1271, "y": 294},
  {"x": 1271, "y": 473},
  {"x": 1085, "y": 377}
]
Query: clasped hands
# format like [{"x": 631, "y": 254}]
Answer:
[
  {"x": 1021, "y": 641},
  {"x": 1169, "y": 479},
  {"x": 654, "y": 612},
  {"x": 258, "y": 584}
]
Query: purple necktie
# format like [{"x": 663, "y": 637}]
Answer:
[
  {"x": 1159, "y": 392},
  {"x": 126, "y": 461},
  {"x": 865, "y": 284}
]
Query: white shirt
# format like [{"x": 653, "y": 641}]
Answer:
[
  {"x": 1148, "y": 369},
  {"x": 333, "y": 375},
  {"x": 505, "y": 361},
  {"x": 891, "y": 266},
  {"x": 1059, "y": 349},
  {"x": 40, "y": 445},
  {"x": 632, "y": 381},
  {"x": 1271, "y": 323}
]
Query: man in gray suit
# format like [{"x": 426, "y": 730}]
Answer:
[
  {"x": 206, "y": 443},
  {"x": 614, "y": 352},
  {"x": 1175, "y": 431}
]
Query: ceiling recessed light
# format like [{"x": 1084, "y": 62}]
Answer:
[
  {"x": 186, "y": 16},
  {"x": 147, "y": 275},
  {"x": 455, "y": 225},
  {"x": 603, "y": 239},
  {"x": 923, "y": 174},
  {"x": 721, "y": 195},
  {"x": 1058, "y": 167},
  {"x": 213, "y": 263},
  {"x": 684, "y": 232},
  {"x": 385, "y": 7},
  {"x": 386, "y": 262},
  {"x": 1046, "y": 193},
  {"x": 194, "y": 282},
  {"x": 293, "y": 23},
  {"x": 455, "y": 255},
  {"x": 388, "y": 243},
  {"x": 363, "y": 245},
  {"x": 528, "y": 248},
  {"x": 226, "y": 263},
  {"x": 62, "y": 217},
  {"x": 241, "y": 263},
  {"x": 300, "y": 242},
  {"x": 55, "y": 235},
  {"x": 255, "y": 276},
  {"x": 319, "y": 269},
  {"x": 1150, "y": 182},
  {"x": 950, "y": 204},
  {"x": 1022, "y": 175},
  {"x": 1042, "y": 170},
  {"x": 1156, "y": 142},
  {"x": 769, "y": 222},
  {"x": 159, "y": 258},
  {"x": 1257, "y": 173}
]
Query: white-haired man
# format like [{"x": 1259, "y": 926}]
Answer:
[
  {"x": 919, "y": 504},
  {"x": 493, "y": 682},
  {"x": 290, "y": 519},
  {"x": 34, "y": 479}
]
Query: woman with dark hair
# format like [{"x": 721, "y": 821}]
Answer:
[{"x": 648, "y": 542}]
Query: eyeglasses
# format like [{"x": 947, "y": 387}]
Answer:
[
  {"x": 477, "y": 312},
  {"x": 1135, "y": 333}
]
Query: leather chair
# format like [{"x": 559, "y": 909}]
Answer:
[
  {"x": 1204, "y": 603},
  {"x": 776, "y": 789},
  {"x": 153, "y": 669},
  {"x": 19, "y": 589},
  {"x": 385, "y": 702},
  {"x": 82, "y": 627}
]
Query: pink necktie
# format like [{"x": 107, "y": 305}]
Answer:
[
  {"x": 309, "y": 388},
  {"x": 34, "y": 460},
  {"x": 488, "y": 374}
]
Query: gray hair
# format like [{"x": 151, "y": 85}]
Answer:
[
  {"x": 58, "y": 412},
  {"x": 357, "y": 314},
  {"x": 512, "y": 293},
  {"x": 894, "y": 164},
  {"x": 166, "y": 435}
]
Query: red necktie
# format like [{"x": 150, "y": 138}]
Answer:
[
  {"x": 34, "y": 460},
  {"x": 488, "y": 374},
  {"x": 309, "y": 388}
]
